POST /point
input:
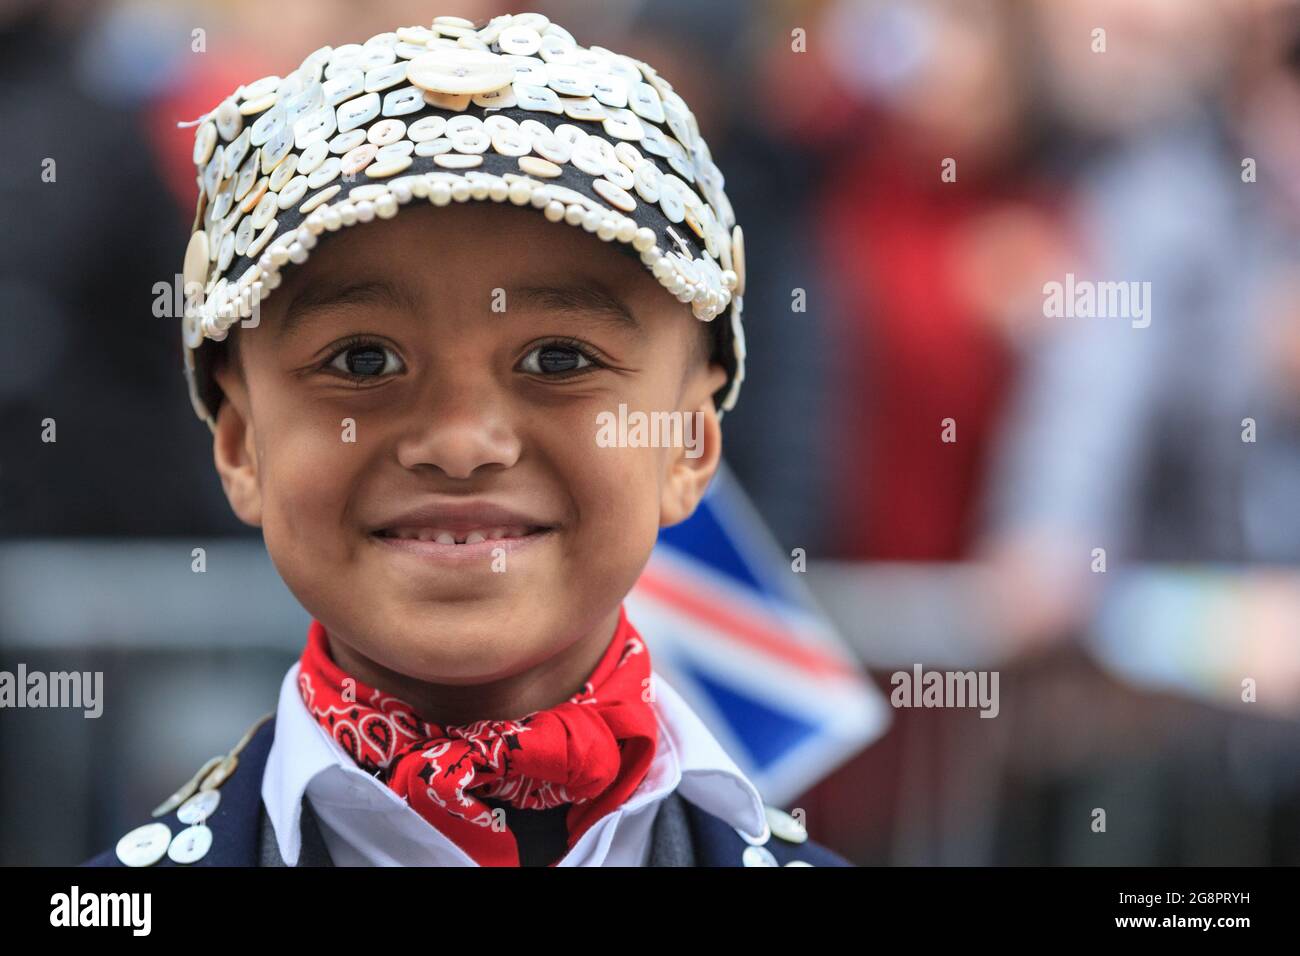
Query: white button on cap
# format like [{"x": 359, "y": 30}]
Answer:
[
  {"x": 425, "y": 128},
  {"x": 144, "y": 846},
  {"x": 644, "y": 101},
  {"x": 459, "y": 71},
  {"x": 200, "y": 806},
  {"x": 386, "y": 131},
  {"x": 738, "y": 259},
  {"x": 798, "y": 863},
  {"x": 229, "y": 120},
  {"x": 409, "y": 99},
  {"x": 344, "y": 142},
  {"x": 205, "y": 140},
  {"x": 533, "y": 96},
  {"x": 357, "y": 112},
  {"x": 519, "y": 40},
  {"x": 196, "y": 258},
  {"x": 616, "y": 197},
  {"x": 191, "y": 844},
  {"x": 784, "y": 825},
  {"x": 311, "y": 157},
  {"x": 758, "y": 856},
  {"x": 569, "y": 79}
]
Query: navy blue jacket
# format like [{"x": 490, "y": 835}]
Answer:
[{"x": 236, "y": 825}]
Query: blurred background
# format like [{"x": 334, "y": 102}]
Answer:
[{"x": 1115, "y": 528}]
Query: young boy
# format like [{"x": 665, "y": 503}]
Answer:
[{"x": 412, "y": 422}]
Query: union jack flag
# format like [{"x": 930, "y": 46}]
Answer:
[{"x": 733, "y": 629}]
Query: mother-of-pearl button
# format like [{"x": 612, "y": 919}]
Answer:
[
  {"x": 265, "y": 210},
  {"x": 205, "y": 140},
  {"x": 538, "y": 21},
  {"x": 610, "y": 90},
  {"x": 264, "y": 127},
  {"x": 403, "y": 147},
  {"x": 531, "y": 96},
  {"x": 583, "y": 108},
  {"x": 326, "y": 172},
  {"x": 260, "y": 87},
  {"x": 519, "y": 40},
  {"x": 196, "y": 258},
  {"x": 459, "y": 124},
  {"x": 620, "y": 176},
  {"x": 358, "y": 159},
  {"x": 357, "y": 112},
  {"x": 469, "y": 140},
  {"x": 388, "y": 167},
  {"x": 512, "y": 142},
  {"x": 386, "y": 131},
  {"x": 647, "y": 180},
  {"x": 672, "y": 205},
  {"x": 304, "y": 103},
  {"x": 311, "y": 157},
  {"x": 229, "y": 120},
  {"x": 235, "y": 153},
  {"x": 227, "y": 252},
  {"x": 624, "y": 124},
  {"x": 426, "y": 127},
  {"x": 569, "y": 79},
  {"x": 645, "y": 102},
  {"x": 433, "y": 147},
  {"x": 254, "y": 197},
  {"x": 460, "y": 71},
  {"x": 528, "y": 69},
  {"x": 255, "y": 248},
  {"x": 344, "y": 86},
  {"x": 191, "y": 844},
  {"x": 283, "y": 173},
  {"x": 145, "y": 846},
  {"x": 758, "y": 856},
  {"x": 549, "y": 146},
  {"x": 536, "y": 166},
  {"x": 253, "y": 107},
  {"x": 315, "y": 126},
  {"x": 409, "y": 99},
  {"x": 371, "y": 191},
  {"x": 243, "y": 236},
  {"x": 452, "y": 102},
  {"x": 324, "y": 196},
  {"x": 276, "y": 148},
  {"x": 616, "y": 197},
  {"x": 554, "y": 48},
  {"x": 383, "y": 77},
  {"x": 292, "y": 192},
  {"x": 501, "y": 99},
  {"x": 343, "y": 142},
  {"x": 247, "y": 175},
  {"x": 458, "y": 160}
]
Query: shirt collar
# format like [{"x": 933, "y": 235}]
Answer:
[{"x": 689, "y": 759}]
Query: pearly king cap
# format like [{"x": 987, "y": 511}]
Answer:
[{"x": 512, "y": 111}]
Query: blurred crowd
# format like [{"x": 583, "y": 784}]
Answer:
[{"x": 918, "y": 169}]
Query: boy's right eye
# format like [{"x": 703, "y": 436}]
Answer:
[{"x": 365, "y": 359}]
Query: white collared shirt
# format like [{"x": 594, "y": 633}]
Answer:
[{"x": 365, "y": 823}]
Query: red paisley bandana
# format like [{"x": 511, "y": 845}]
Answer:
[{"x": 590, "y": 752}]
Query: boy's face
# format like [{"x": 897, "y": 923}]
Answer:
[{"x": 459, "y": 407}]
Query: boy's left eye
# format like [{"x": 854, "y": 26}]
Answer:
[
  {"x": 365, "y": 360},
  {"x": 554, "y": 359}
]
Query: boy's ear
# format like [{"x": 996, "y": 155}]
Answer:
[
  {"x": 234, "y": 448},
  {"x": 694, "y": 462}
]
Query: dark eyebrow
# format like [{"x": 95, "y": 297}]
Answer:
[
  {"x": 587, "y": 298},
  {"x": 326, "y": 293}
]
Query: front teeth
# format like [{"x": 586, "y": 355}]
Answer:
[{"x": 446, "y": 537}]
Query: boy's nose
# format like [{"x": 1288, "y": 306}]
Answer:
[{"x": 458, "y": 434}]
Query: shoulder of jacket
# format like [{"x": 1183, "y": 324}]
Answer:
[
  {"x": 178, "y": 833},
  {"x": 785, "y": 842}
]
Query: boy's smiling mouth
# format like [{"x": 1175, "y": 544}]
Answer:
[{"x": 460, "y": 530}]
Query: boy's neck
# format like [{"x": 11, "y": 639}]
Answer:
[{"x": 552, "y": 682}]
